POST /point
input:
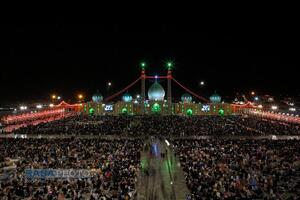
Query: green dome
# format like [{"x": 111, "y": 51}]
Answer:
[
  {"x": 97, "y": 97},
  {"x": 215, "y": 98},
  {"x": 156, "y": 92},
  {"x": 127, "y": 97},
  {"x": 186, "y": 98}
]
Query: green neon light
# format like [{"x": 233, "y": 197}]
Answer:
[
  {"x": 221, "y": 112},
  {"x": 91, "y": 111},
  {"x": 124, "y": 111},
  {"x": 189, "y": 112},
  {"x": 143, "y": 65},
  {"x": 156, "y": 108},
  {"x": 169, "y": 65}
]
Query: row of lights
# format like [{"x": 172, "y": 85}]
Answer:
[
  {"x": 276, "y": 107},
  {"x": 169, "y": 65},
  {"x": 55, "y": 97},
  {"x": 23, "y": 107},
  {"x": 39, "y": 106},
  {"x": 79, "y": 96},
  {"x": 288, "y": 114}
]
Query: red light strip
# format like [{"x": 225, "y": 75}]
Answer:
[
  {"x": 189, "y": 91},
  {"x": 30, "y": 116},
  {"x": 121, "y": 91}
]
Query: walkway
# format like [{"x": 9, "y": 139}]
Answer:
[{"x": 161, "y": 177}]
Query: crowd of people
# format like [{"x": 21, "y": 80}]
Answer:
[
  {"x": 114, "y": 165},
  {"x": 162, "y": 125},
  {"x": 269, "y": 126},
  {"x": 79, "y": 125},
  {"x": 214, "y": 167},
  {"x": 240, "y": 169}
]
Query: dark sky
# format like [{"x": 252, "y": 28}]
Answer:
[{"x": 67, "y": 56}]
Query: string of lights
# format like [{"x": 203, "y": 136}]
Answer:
[
  {"x": 121, "y": 91},
  {"x": 31, "y": 116},
  {"x": 189, "y": 91}
]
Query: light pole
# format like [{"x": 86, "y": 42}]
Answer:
[
  {"x": 109, "y": 85},
  {"x": 143, "y": 86},
  {"x": 55, "y": 97},
  {"x": 169, "y": 66},
  {"x": 80, "y": 97}
]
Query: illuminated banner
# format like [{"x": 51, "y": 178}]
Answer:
[
  {"x": 108, "y": 108},
  {"x": 205, "y": 108}
]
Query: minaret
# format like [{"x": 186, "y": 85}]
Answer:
[
  {"x": 143, "y": 87},
  {"x": 169, "y": 92}
]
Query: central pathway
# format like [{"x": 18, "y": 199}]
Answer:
[{"x": 161, "y": 177}]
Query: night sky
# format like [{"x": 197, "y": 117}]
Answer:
[{"x": 66, "y": 56}]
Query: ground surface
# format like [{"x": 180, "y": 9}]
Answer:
[{"x": 161, "y": 176}]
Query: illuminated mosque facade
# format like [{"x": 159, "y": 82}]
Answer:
[{"x": 157, "y": 101}]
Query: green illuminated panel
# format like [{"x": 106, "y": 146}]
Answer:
[
  {"x": 124, "y": 110},
  {"x": 91, "y": 111},
  {"x": 189, "y": 112},
  {"x": 221, "y": 112},
  {"x": 156, "y": 108}
]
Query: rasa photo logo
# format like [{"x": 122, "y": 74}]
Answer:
[{"x": 57, "y": 173}]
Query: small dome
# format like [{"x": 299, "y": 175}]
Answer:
[
  {"x": 127, "y": 97},
  {"x": 215, "y": 98},
  {"x": 97, "y": 97},
  {"x": 186, "y": 98},
  {"x": 156, "y": 92}
]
